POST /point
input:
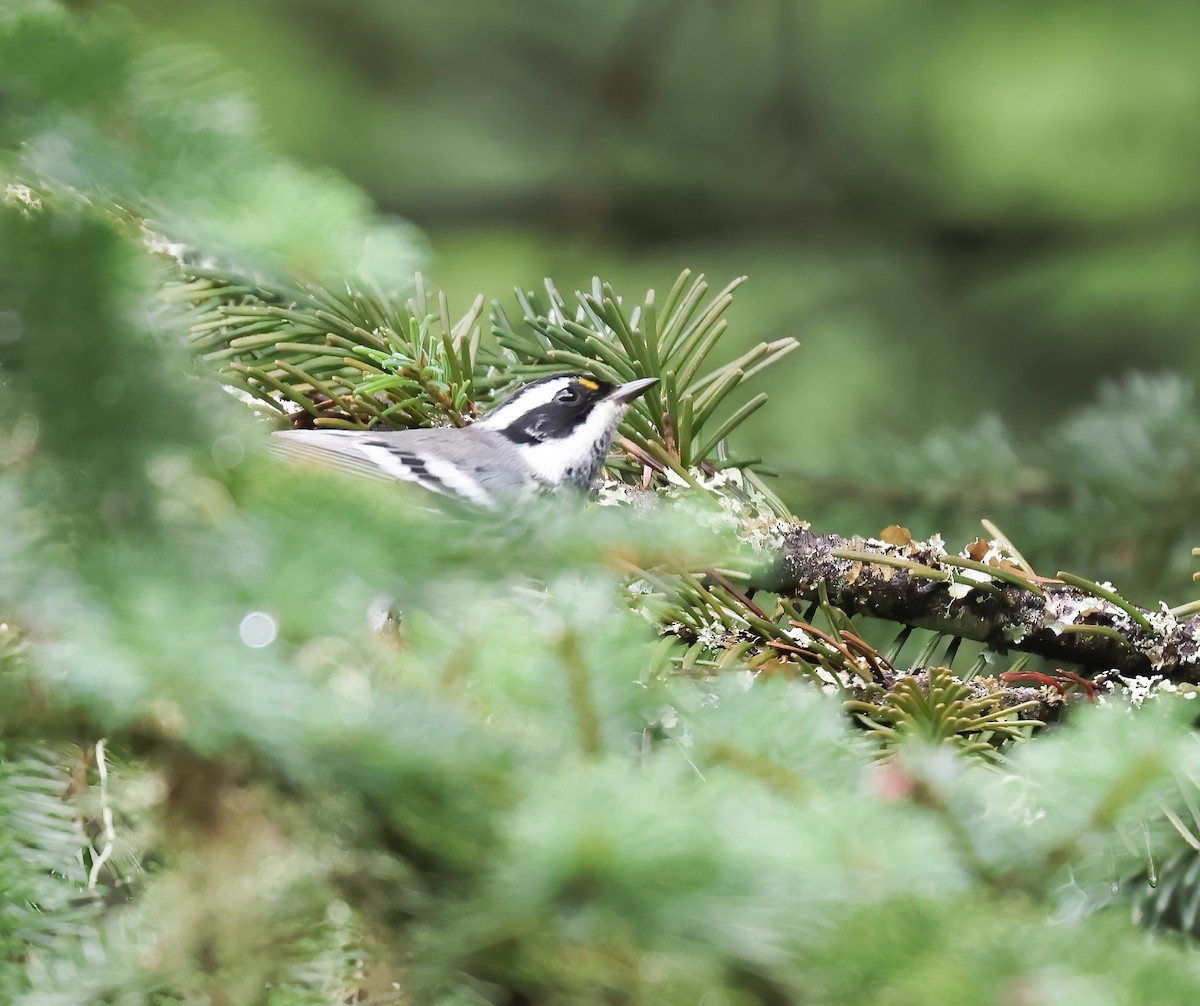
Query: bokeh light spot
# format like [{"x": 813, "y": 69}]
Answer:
[{"x": 258, "y": 629}]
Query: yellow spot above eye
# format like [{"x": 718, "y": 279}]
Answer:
[{"x": 590, "y": 385}]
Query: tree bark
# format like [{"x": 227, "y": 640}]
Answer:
[{"x": 1049, "y": 618}]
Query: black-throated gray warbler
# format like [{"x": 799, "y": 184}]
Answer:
[{"x": 553, "y": 433}]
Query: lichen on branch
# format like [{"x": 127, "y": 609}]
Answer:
[{"x": 917, "y": 583}]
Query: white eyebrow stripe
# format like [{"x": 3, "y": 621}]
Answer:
[{"x": 523, "y": 401}]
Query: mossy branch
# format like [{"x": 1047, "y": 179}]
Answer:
[{"x": 917, "y": 584}]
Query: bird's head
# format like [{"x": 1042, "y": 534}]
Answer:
[{"x": 563, "y": 425}]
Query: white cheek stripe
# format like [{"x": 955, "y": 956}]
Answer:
[{"x": 551, "y": 458}]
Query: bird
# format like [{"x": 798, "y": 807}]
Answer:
[{"x": 551, "y": 434}]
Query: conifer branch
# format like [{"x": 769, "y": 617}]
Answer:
[{"x": 928, "y": 589}]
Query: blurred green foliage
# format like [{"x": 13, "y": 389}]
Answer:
[{"x": 518, "y": 803}]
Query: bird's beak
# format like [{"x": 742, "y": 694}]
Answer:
[{"x": 631, "y": 389}]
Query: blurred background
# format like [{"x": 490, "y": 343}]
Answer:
[{"x": 960, "y": 210}]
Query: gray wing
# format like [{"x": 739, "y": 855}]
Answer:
[{"x": 468, "y": 464}]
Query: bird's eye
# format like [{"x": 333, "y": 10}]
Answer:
[{"x": 568, "y": 394}]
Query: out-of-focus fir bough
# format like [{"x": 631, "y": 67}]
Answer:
[{"x": 669, "y": 746}]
